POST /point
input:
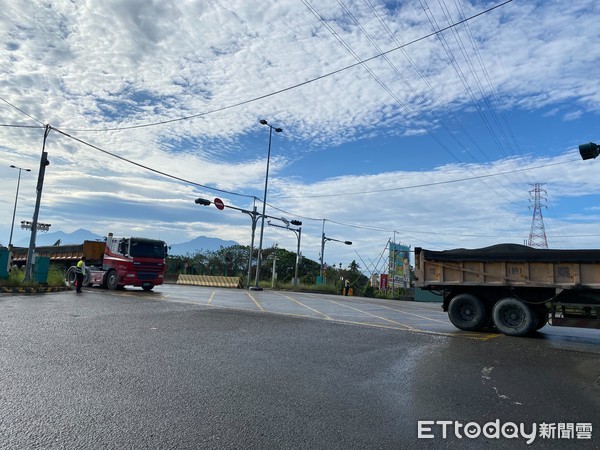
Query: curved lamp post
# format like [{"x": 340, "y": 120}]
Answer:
[
  {"x": 323, "y": 240},
  {"x": 256, "y": 287},
  {"x": 16, "y": 198}
]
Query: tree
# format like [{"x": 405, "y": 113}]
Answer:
[
  {"x": 233, "y": 261},
  {"x": 354, "y": 267}
]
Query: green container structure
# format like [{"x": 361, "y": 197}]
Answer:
[
  {"x": 40, "y": 269},
  {"x": 4, "y": 256},
  {"x": 422, "y": 295}
]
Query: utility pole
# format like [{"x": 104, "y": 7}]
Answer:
[
  {"x": 393, "y": 266},
  {"x": 40, "y": 185}
]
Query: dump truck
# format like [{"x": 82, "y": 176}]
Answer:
[
  {"x": 112, "y": 263},
  {"x": 515, "y": 288}
]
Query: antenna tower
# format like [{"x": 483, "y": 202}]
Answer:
[{"x": 537, "y": 234}]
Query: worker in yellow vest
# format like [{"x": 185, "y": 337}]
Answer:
[{"x": 80, "y": 273}]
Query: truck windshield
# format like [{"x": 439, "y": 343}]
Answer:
[{"x": 147, "y": 249}]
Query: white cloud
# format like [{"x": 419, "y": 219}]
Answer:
[{"x": 91, "y": 65}]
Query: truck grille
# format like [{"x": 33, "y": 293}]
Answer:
[
  {"x": 148, "y": 270},
  {"x": 147, "y": 275}
]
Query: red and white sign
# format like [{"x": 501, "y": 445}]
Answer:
[
  {"x": 219, "y": 203},
  {"x": 383, "y": 281}
]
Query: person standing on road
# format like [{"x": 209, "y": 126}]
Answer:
[
  {"x": 80, "y": 273},
  {"x": 346, "y": 286}
]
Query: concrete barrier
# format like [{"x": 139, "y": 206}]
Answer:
[{"x": 210, "y": 281}]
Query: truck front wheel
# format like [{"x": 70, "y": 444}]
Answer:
[
  {"x": 71, "y": 276},
  {"x": 467, "y": 312},
  {"x": 514, "y": 317},
  {"x": 112, "y": 280}
]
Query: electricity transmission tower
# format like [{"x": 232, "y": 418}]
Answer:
[{"x": 537, "y": 234}]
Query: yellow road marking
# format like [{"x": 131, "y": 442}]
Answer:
[
  {"x": 258, "y": 305},
  {"x": 413, "y": 314},
  {"x": 408, "y": 327},
  {"x": 211, "y": 297},
  {"x": 478, "y": 337},
  {"x": 306, "y": 306}
]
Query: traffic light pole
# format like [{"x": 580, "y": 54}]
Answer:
[
  {"x": 254, "y": 215},
  {"x": 298, "y": 233},
  {"x": 323, "y": 240}
]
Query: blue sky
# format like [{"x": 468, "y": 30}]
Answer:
[{"x": 436, "y": 143}]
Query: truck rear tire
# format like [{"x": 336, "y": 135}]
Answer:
[
  {"x": 112, "y": 280},
  {"x": 514, "y": 317},
  {"x": 467, "y": 312}
]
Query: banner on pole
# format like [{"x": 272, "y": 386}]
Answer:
[{"x": 400, "y": 264}]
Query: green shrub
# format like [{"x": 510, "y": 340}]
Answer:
[
  {"x": 15, "y": 278},
  {"x": 56, "y": 278},
  {"x": 369, "y": 291}
]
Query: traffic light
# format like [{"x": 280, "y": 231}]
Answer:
[
  {"x": 296, "y": 222},
  {"x": 202, "y": 201},
  {"x": 589, "y": 150}
]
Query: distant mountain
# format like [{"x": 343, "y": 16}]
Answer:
[
  {"x": 199, "y": 244},
  {"x": 76, "y": 237}
]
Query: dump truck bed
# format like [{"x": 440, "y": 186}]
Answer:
[
  {"x": 508, "y": 265},
  {"x": 65, "y": 254}
]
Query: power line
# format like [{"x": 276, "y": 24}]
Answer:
[
  {"x": 435, "y": 183},
  {"x": 295, "y": 86},
  {"x": 399, "y": 74},
  {"x": 388, "y": 230},
  {"x": 21, "y": 111},
  {"x": 149, "y": 168},
  {"x": 12, "y": 125},
  {"x": 463, "y": 78}
]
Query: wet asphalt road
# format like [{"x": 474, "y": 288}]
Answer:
[{"x": 170, "y": 370}]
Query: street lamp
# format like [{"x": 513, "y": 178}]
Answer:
[
  {"x": 27, "y": 225},
  {"x": 262, "y": 223},
  {"x": 16, "y": 198},
  {"x": 323, "y": 240}
]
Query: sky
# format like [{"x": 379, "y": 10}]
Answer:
[{"x": 428, "y": 123}]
